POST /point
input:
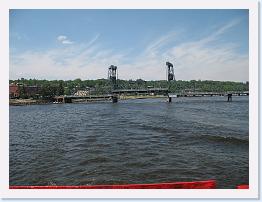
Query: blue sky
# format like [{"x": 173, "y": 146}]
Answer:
[{"x": 70, "y": 44}]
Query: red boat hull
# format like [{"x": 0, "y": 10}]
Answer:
[
  {"x": 210, "y": 184},
  {"x": 243, "y": 186}
]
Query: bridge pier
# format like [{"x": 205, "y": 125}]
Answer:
[
  {"x": 229, "y": 97},
  {"x": 114, "y": 99},
  {"x": 67, "y": 100}
]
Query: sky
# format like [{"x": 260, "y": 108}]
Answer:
[{"x": 208, "y": 44}]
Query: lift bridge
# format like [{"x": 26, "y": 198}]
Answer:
[
  {"x": 112, "y": 77},
  {"x": 116, "y": 90}
]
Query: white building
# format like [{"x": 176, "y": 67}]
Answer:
[{"x": 82, "y": 93}]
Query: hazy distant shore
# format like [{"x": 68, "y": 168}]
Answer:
[{"x": 21, "y": 102}]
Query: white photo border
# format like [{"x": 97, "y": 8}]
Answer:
[{"x": 252, "y": 192}]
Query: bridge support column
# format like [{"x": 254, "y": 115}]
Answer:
[
  {"x": 68, "y": 100},
  {"x": 114, "y": 99},
  {"x": 229, "y": 97}
]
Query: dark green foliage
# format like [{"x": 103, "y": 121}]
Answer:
[{"x": 22, "y": 92}]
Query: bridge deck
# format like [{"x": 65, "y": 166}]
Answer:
[
  {"x": 87, "y": 97},
  {"x": 69, "y": 98},
  {"x": 199, "y": 94}
]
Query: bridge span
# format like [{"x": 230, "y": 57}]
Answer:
[
  {"x": 118, "y": 92},
  {"x": 201, "y": 94}
]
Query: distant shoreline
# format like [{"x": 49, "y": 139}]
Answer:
[{"x": 23, "y": 102}]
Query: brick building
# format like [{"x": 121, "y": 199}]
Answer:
[
  {"x": 13, "y": 91},
  {"x": 17, "y": 90}
]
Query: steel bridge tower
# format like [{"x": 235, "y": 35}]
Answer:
[
  {"x": 112, "y": 76},
  {"x": 170, "y": 77},
  {"x": 170, "y": 71}
]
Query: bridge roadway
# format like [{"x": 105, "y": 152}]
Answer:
[
  {"x": 69, "y": 98},
  {"x": 200, "y": 94}
]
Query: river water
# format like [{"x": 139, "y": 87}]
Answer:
[{"x": 132, "y": 141}]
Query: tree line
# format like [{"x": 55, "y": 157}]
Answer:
[{"x": 51, "y": 88}]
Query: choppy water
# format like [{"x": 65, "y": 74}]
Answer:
[{"x": 133, "y": 141}]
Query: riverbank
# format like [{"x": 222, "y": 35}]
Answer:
[{"x": 21, "y": 102}]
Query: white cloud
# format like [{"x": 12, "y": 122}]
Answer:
[
  {"x": 61, "y": 38},
  {"x": 67, "y": 42},
  {"x": 84, "y": 61},
  {"x": 152, "y": 48},
  {"x": 64, "y": 39},
  {"x": 93, "y": 40},
  {"x": 205, "y": 59}
]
